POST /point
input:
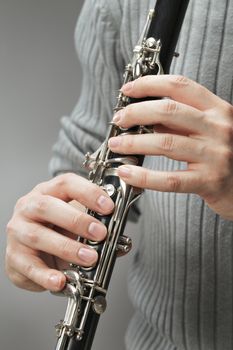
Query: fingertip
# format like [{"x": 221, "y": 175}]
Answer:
[
  {"x": 117, "y": 117},
  {"x": 62, "y": 281},
  {"x": 105, "y": 203},
  {"x": 97, "y": 231},
  {"x": 88, "y": 256},
  {"x": 128, "y": 87},
  {"x": 124, "y": 171},
  {"x": 114, "y": 142},
  {"x": 57, "y": 282}
]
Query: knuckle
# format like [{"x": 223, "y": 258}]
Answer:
[
  {"x": 203, "y": 119},
  {"x": 128, "y": 111},
  {"x": 173, "y": 183},
  {"x": 68, "y": 249},
  {"x": 35, "y": 203},
  {"x": 75, "y": 221},
  {"x": 10, "y": 227},
  {"x": 39, "y": 204},
  {"x": 13, "y": 274},
  {"x": 39, "y": 187},
  {"x": 29, "y": 270},
  {"x": 203, "y": 150},
  {"x": 21, "y": 203},
  {"x": 179, "y": 81},
  {"x": 143, "y": 179},
  {"x": 170, "y": 106},
  {"x": 63, "y": 179},
  {"x": 167, "y": 143},
  {"x": 31, "y": 235},
  {"x": 127, "y": 143}
]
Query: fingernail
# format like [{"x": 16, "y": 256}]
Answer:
[
  {"x": 127, "y": 87},
  {"x": 55, "y": 280},
  {"x": 97, "y": 231},
  {"x": 88, "y": 255},
  {"x": 105, "y": 203},
  {"x": 114, "y": 141},
  {"x": 124, "y": 171}
]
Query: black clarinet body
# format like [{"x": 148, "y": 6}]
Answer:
[{"x": 86, "y": 288}]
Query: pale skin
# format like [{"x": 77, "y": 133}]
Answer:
[
  {"x": 43, "y": 230},
  {"x": 194, "y": 126}
]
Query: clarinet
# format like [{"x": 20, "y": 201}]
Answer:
[{"x": 86, "y": 288}]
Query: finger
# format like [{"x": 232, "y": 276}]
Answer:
[
  {"x": 77, "y": 205},
  {"x": 176, "y": 87},
  {"x": 52, "y": 210},
  {"x": 161, "y": 129},
  {"x": 172, "y": 114},
  {"x": 176, "y": 181},
  {"x": 41, "y": 238},
  {"x": 23, "y": 282},
  {"x": 32, "y": 268},
  {"x": 71, "y": 186},
  {"x": 176, "y": 147}
]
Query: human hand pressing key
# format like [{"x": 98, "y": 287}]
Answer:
[
  {"x": 192, "y": 125},
  {"x": 44, "y": 227}
]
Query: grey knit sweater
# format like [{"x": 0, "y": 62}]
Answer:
[{"x": 181, "y": 280}]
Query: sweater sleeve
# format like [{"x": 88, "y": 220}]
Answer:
[{"x": 98, "y": 49}]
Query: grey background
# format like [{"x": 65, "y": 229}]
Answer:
[{"x": 39, "y": 82}]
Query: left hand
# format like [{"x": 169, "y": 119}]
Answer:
[{"x": 193, "y": 125}]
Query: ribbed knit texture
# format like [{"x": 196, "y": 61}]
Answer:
[{"x": 181, "y": 280}]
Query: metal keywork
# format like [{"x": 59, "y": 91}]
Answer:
[
  {"x": 74, "y": 291},
  {"x": 86, "y": 288},
  {"x": 146, "y": 58},
  {"x": 99, "y": 304}
]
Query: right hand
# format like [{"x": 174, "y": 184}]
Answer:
[{"x": 36, "y": 248}]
